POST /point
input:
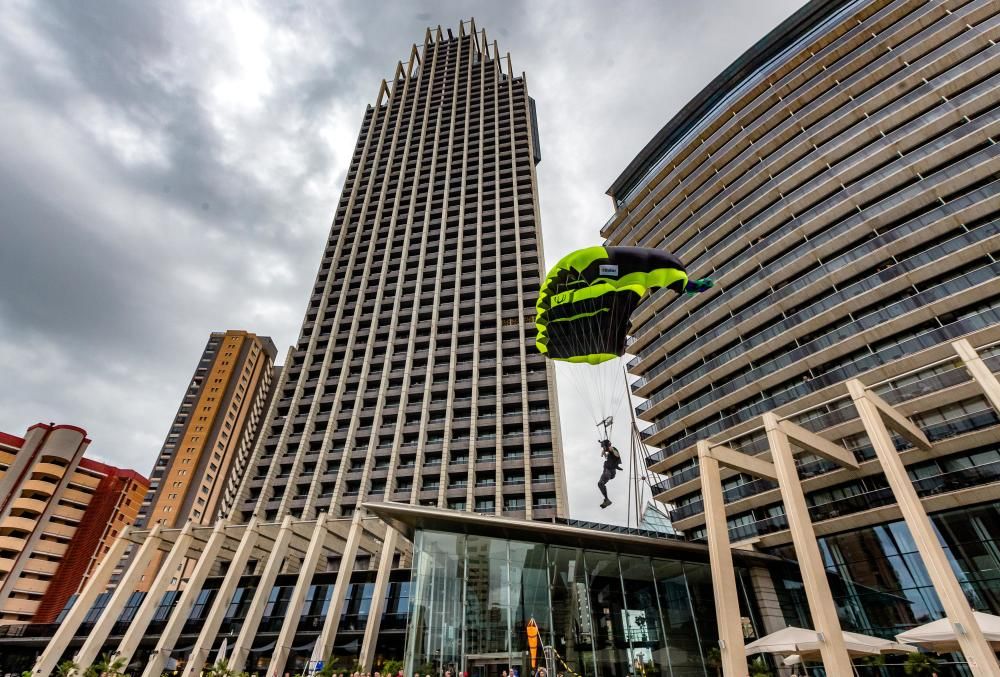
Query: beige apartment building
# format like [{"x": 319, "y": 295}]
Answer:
[
  {"x": 59, "y": 514},
  {"x": 840, "y": 182}
]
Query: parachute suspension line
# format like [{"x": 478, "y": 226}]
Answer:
[{"x": 637, "y": 463}]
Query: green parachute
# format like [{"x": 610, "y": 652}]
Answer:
[{"x": 585, "y": 302}]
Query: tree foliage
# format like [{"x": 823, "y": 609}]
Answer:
[{"x": 919, "y": 664}]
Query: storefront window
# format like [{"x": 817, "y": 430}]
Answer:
[{"x": 591, "y": 612}]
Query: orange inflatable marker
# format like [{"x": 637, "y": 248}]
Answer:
[{"x": 533, "y": 642}]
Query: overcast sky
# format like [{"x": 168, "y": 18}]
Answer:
[{"x": 168, "y": 169}]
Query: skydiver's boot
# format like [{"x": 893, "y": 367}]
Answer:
[{"x": 606, "y": 502}]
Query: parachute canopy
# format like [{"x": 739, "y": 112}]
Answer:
[{"x": 584, "y": 306}]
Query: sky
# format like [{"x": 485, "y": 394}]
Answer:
[{"x": 169, "y": 169}]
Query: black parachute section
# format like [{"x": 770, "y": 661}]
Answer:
[{"x": 585, "y": 302}]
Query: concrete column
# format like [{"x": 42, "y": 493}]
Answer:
[
  {"x": 54, "y": 650},
  {"x": 179, "y": 616},
  {"x": 324, "y": 644},
  {"x": 377, "y": 607},
  {"x": 137, "y": 628},
  {"x": 821, "y": 607},
  {"x": 199, "y": 654},
  {"x": 986, "y": 379},
  {"x": 91, "y": 648},
  {"x": 973, "y": 644},
  {"x": 295, "y": 604},
  {"x": 241, "y": 649},
  {"x": 727, "y": 601},
  {"x": 767, "y": 600}
]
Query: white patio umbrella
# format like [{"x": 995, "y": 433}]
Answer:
[
  {"x": 940, "y": 635},
  {"x": 806, "y": 644},
  {"x": 853, "y": 639}
]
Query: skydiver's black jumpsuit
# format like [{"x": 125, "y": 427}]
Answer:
[{"x": 612, "y": 463}]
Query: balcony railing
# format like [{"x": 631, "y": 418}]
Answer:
[
  {"x": 827, "y": 340},
  {"x": 985, "y": 318},
  {"x": 800, "y": 283},
  {"x": 954, "y": 480}
]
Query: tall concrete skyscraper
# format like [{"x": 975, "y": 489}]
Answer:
[{"x": 415, "y": 378}]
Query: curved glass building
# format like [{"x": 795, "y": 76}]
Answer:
[{"x": 841, "y": 183}]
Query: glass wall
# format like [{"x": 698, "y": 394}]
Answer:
[
  {"x": 485, "y": 605},
  {"x": 881, "y": 585}
]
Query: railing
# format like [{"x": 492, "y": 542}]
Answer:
[
  {"x": 820, "y": 343},
  {"x": 728, "y": 97},
  {"x": 817, "y": 308},
  {"x": 985, "y": 318},
  {"x": 954, "y": 480},
  {"x": 816, "y": 275},
  {"x": 961, "y": 425},
  {"x": 926, "y": 386}
]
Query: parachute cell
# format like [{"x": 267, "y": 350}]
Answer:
[{"x": 585, "y": 302}]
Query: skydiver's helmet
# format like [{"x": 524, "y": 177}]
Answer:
[{"x": 605, "y": 444}]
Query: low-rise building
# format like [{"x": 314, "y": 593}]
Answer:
[{"x": 59, "y": 513}]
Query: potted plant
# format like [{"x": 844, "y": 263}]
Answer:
[{"x": 391, "y": 667}]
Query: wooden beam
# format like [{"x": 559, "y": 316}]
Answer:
[
  {"x": 892, "y": 418},
  {"x": 815, "y": 444},
  {"x": 985, "y": 378},
  {"x": 737, "y": 460}
]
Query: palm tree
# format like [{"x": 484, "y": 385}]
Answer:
[
  {"x": 67, "y": 668},
  {"x": 329, "y": 668},
  {"x": 221, "y": 669},
  {"x": 109, "y": 666},
  {"x": 920, "y": 664}
]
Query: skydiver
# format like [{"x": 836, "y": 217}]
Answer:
[{"x": 612, "y": 464}]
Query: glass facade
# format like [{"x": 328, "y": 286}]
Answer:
[
  {"x": 597, "y": 612},
  {"x": 882, "y": 585}
]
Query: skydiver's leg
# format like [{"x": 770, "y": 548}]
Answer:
[{"x": 602, "y": 484}]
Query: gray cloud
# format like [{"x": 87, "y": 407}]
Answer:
[{"x": 167, "y": 170}]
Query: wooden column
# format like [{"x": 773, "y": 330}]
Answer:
[
  {"x": 91, "y": 648},
  {"x": 248, "y": 631},
  {"x": 54, "y": 650},
  {"x": 378, "y": 599},
  {"x": 727, "y": 601},
  {"x": 203, "y": 645},
  {"x": 137, "y": 627},
  {"x": 179, "y": 615},
  {"x": 833, "y": 651},
  {"x": 875, "y": 414},
  {"x": 317, "y": 545}
]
